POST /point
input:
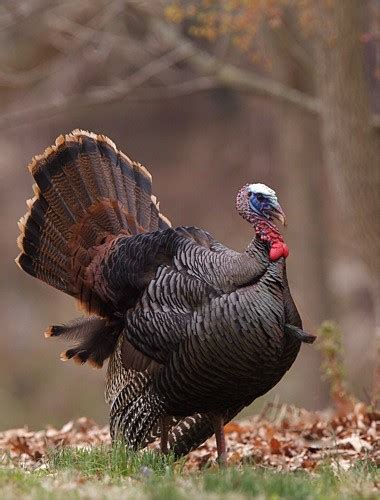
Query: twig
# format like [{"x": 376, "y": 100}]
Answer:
[
  {"x": 83, "y": 35},
  {"x": 102, "y": 95},
  {"x": 172, "y": 91},
  {"x": 24, "y": 78}
]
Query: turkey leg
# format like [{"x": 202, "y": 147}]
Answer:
[
  {"x": 218, "y": 424},
  {"x": 164, "y": 433}
]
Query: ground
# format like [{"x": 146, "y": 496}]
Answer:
[{"x": 282, "y": 453}]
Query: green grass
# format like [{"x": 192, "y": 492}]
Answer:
[
  {"x": 102, "y": 473},
  {"x": 115, "y": 462}
]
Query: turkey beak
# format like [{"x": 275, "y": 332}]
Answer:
[{"x": 278, "y": 213}]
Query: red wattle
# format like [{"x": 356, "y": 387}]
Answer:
[
  {"x": 278, "y": 249},
  {"x": 268, "y": 232}
]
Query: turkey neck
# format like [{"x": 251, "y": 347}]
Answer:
[{"x": 267, "y": 237}]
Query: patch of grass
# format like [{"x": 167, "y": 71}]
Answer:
[
  {"x": 17, "y": 483},
  {"x": 113, "y": 462},
  {"x": 23, "y": 480},
  {"x": 102, "y": 473},
  {"x": 251, "y": 483},
  {"x": 248, "y": 482},
  {"x": 258, "y": 483}
]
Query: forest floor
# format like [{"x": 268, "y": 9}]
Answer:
[{"x": 282, "y": 453}]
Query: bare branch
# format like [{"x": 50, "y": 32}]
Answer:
[
  {"x": 96, "y": 28},
  {"x": 155, "y": 67},
  {"x": 231, "y": 76},
  {"x": 96, "y": 96},
  {"x": 172, "y": 91},
  {"x": 82, "y": 36},
  {"x": 24, "y": 78}
]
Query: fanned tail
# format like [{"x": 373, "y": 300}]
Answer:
[{"x": 86, "y": 191}]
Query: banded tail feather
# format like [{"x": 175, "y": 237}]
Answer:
[
  {"x": 86, "y": 192},
  {"x": 94, "y": 339}
]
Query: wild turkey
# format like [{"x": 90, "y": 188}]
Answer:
[{"x": 194, "y": 331}]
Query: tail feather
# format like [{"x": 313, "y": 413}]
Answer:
[
  {"x": 86, "y": 191},
  {"x": 143, "y": 192},
  {"x": 94, "y": 339},
  {"x": 299, "y": 334}
]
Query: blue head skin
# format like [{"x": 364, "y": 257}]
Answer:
[{"x": 263, "y": 201}]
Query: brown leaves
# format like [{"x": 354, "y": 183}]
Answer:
[
  {"x": 26, "y": 448},
  {"x": 295, "y": 439},
  {"x": 300, "y": 439}
]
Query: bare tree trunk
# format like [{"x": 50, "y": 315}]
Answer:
[
  {"x": 301, "y": 176},
  {"x": 348, "y": 140}
]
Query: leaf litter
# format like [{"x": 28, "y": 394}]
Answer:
[{"x": 282, "y": 437}]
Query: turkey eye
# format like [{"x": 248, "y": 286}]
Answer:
[{"x": 259, "y": 197}]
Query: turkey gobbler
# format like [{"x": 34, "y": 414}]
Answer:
[{"x": 193, "y": 331}]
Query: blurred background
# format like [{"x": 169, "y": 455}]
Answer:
[{"x": 209, "y": 95}]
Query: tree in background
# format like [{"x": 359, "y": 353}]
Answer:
[{"x": 325, "y": 40}]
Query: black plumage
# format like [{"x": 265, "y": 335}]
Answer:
[{"x": 194, "y": 331}]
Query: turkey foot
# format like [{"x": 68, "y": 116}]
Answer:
[{"x": 218, "y": 424}]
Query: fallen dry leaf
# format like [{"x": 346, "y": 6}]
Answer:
[
  {"x": 275, "y": 446},
  {"x": 233, "y": 427},
  {"x": 298, "y": 439}
]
